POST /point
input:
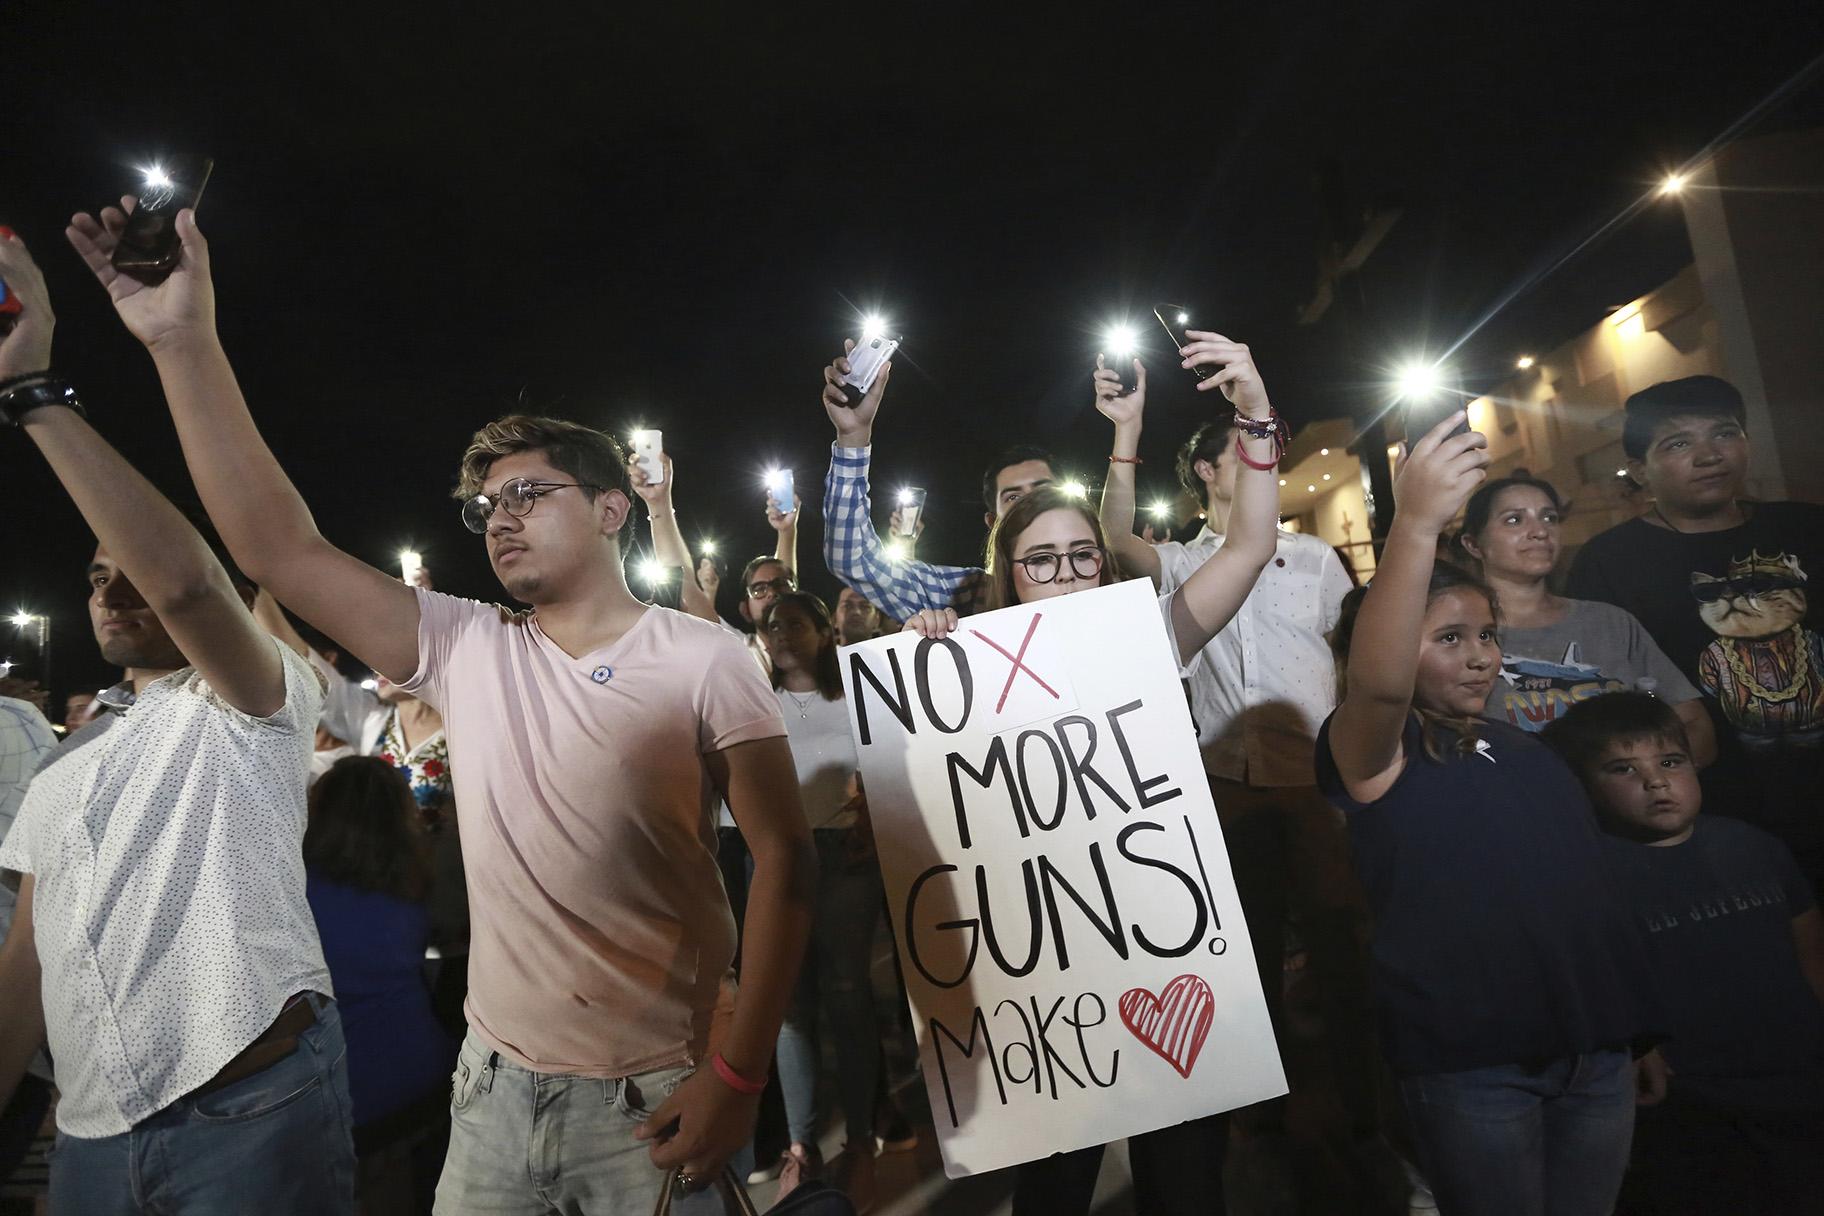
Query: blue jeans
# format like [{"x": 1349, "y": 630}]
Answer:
[
  {"x": 837, "y": 980},
  {"x": 1513, "y": 1140},
  {"x": 277, "y": 1141},
  {"x": 534, "y": 1143}
]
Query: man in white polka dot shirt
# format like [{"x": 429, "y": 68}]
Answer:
[{"x": 162, "y": 941}]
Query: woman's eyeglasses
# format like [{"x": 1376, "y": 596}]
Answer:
[
  {"x": 1044, "y": 567},
  {"x": 517, "y": 496}
]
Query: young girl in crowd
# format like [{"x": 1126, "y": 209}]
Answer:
[
  {"x": 801, "y": 642},
  {"x": 1050, "y": 544},
  {"x": 369, "y": 871},
  {"x": 1507, "y": 971},
  {"x": 1559, "y": 651}
]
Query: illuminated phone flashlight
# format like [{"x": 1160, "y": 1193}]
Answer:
[
  {"x": 410, "y": 563},
  {"x": 1119, "y": 342},
  {"x": 897, "y": 551},
  {"x": 157, "y": 178},
  {"x": 707, "y": 548},
  {"x": 654, "y": 573},
  {"x": 1160, "y": 510},
  {"x": 157, "y": 188},
  {"x": 1074, "y": 489},
  {"x": 873, "y": 326},
  {"x": 1184, "y": 318}
]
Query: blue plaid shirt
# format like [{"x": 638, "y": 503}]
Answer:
[{"x": 855, "y": 554}]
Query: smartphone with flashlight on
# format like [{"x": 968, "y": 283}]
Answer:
[
  {"x": 866, "y": 360},
  {"x": 911, "y": 503},
  {"x": 779, "y": 492},
  {"x": 1173, "y": 318},
  {"x": 149, "y": 247},
  {"x": 648, "y": 446},
  {"x": 1120, "y": 347},
  {"x": 1426, "y": 412}
]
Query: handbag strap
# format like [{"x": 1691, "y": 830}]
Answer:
[{"x": 735, "y": 1200}]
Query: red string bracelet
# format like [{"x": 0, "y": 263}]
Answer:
[
  {"x": 1125, "y": 460},
  {"x": 735, "y": 1080}
]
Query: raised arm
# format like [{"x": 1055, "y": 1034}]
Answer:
[
  {"x": 785, "y": 549},
  {"x": 262, "y": 519},
  {"x": 1432, "y": 486},
  {"x": 1211, "y": 597},
  {"x": 141, "y": 532},
  {"x": 899, "y": 587},
  {"x": 1126, "y": 411},
  {"x": 668, "y": 547}
]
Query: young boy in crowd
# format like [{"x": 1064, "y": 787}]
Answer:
[
  {"x": 1721, "y": 581},
  {"x": 1733, "y": 1120}
]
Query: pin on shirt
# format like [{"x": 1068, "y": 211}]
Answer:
[
  {"x": 1484, "y": 748},
  {"x": 602, "y": 674}
]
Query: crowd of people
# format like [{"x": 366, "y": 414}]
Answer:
[{"x": 1531, "y": 877}]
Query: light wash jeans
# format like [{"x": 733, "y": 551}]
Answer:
[
  {"x": 278, "y": 1141},
  {"x": 534, "y": 1143},
  {"x": 836, "y": 981},
  {"x": 1547, "y": 1140}
]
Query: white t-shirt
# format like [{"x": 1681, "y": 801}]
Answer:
[
  {"x": 824, "y": 751},
  {"x": 168, "y": 898},
  {"x": 25, "y": 739}
]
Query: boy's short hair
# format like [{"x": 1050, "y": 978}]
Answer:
[
  {"x": 1589, "y": 728},
  {"x": 1018, "y": 454},
  {"x": 1693, "y": 395},
  {"x": 586, "y": 455}
]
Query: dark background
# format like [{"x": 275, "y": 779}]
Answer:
[{"x": 421, "y": 221}]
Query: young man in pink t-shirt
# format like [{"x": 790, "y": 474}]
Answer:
[{"x": 591, "y": 738}]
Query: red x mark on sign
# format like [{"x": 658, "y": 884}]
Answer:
[{"x": 1018, "y": 661}]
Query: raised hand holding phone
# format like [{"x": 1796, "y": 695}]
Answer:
[
  {"x": 149, "y": 246},
  {"x": 180, "y": 306},
  {"x": 1437, "y": 478},
  {"x": 1117, "y": 402},
  {"x": 854, "y": 420}
]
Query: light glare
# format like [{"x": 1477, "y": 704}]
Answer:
[
  {"x": 22, "y": 618},
  {"x": 1074, "y": 489},
  {"x": 1524, "y": 362},
  {"x": 873, "y": 326},
  {"x": 1161, "y": 509},
  {"x": 1673, "y": 184},
  {"x": 1417, "y": 380},
  {"x": 653, "y": 572},
  {"x": 1120, "y": 342},
  {"x": 707, "y": 548},
  {"x": 157, "y": 178}
]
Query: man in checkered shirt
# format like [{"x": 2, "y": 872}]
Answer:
[{"x": 902, "y": 587}]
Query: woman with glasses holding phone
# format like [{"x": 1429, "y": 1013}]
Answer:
[{"x": 1050, "y": 544}]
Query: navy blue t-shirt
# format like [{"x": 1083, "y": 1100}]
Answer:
[
  {"x": 374, "y": 945},
  {"x": 1500, "y": 932},
  {"x": 1744, "y": 1026}
]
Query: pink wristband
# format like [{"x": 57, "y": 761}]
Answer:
[{"x": 735, "y": 1080}]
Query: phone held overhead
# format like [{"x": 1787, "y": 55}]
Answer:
[
  {"x": 1428, "y": 397},
  {"x": 911, "y": 504},
  {"x": 648, "y": 447},
  {"x": 779, "y": 492},
  {"x": 149, "y": 247},
  {"x": 1174, "y": 319},
  {"x": 1120, "y": 345},
  {"x": 870, "y": 355}
]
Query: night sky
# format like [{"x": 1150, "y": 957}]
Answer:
[{"x": 418, "y": 224}]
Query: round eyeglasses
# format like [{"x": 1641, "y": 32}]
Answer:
[
  {"x": 1044, "y": 567},
  {"x": 517, "y": 496}
]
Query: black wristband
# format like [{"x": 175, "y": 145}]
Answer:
[
  {"x": 39, "y": 392},
  {"x": 12, "y": 382}
]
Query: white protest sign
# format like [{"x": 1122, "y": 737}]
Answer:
[{"x": 1077, "y": 961}]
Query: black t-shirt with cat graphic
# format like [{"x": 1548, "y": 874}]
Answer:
[{"x": 1741, "y": 611}]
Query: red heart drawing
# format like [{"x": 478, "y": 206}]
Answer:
[{"x": 1174, "y": 1023}]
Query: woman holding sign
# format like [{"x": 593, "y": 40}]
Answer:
[
  {"x": 801, "y": 641},
  {"x": 1507, "y": 971},
  {"x": 1051, "y": 544}
]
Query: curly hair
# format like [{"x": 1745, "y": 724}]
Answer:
[{"x": 588, "y": 456}]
